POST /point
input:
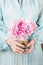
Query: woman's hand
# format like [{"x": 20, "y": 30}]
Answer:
[
  {"x": 15, "y": 45},
  {"x": 30, "y": 46}
]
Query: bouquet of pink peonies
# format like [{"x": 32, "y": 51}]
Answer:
[{"x": 22, "y": 29}]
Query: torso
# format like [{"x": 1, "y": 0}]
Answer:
[{"x": 13, "y": 11}]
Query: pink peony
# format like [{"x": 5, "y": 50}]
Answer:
[{"x": 21, "y": 29}]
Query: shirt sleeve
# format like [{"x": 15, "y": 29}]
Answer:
[
  {"x": 38, "y": 36},
  {"x": 3, "y": 33}
]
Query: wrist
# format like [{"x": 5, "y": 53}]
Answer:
[{"x": 9, "y": 40}]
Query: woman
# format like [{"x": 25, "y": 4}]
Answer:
[{"x": 11, "y": 10}]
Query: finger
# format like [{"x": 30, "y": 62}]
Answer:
[
  {"x": 19, "y": 44},
  {"x": 29, "y": 50},
  {"x": 30, "y": 43},
  {"x": 18, "y": 48},
  {"x": 18, "y": 52}
]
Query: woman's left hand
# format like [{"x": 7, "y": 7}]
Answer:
[{"x": 30, "y": 46}]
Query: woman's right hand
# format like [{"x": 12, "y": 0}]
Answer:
[{"x": 15, "y": 45}]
